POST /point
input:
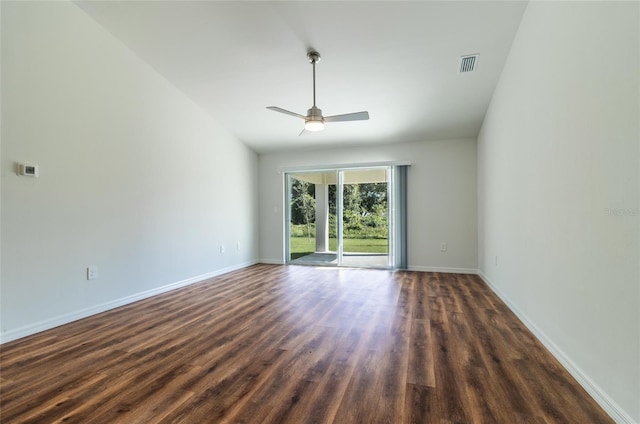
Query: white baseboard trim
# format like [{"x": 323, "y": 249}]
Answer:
[
  {"x": 614, "y": 410},
  {"x": 271, "y": 261},
  {"x": 48, "y": 324},
  {"x": 443, "y": 269},
  {"x": 410, "y": 268}
]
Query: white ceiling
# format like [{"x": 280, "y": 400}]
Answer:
[{"x": 398, "y": 60}]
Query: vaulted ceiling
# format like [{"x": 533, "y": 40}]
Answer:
[{"x": 397, "y": 60}]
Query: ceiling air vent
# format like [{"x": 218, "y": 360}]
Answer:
[{"x": 468, "y": 63}]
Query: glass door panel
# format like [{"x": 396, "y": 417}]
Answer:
[
  {"x": 365, "y": 217},
  {"x": 309, "y": 222}
]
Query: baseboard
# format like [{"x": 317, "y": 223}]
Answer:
[
  {"x": 443, "y": 269},
  {"x": 38, "y": 327},
  {"x": 614, "y": 410},
  {"x": 410, "y": 268},
  {"x": 271, "y": 261}
]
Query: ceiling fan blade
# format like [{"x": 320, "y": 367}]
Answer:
[
  {"x": 303, "y": 132},
  {"x": 286, "y": 112},
  {"x": 356, "y": 116}
]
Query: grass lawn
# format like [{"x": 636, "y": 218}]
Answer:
[{"x": 301, "y": 246}]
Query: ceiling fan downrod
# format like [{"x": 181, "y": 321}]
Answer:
[
  {"x": 314, "y": 57},
  {"x": 314, "y": 121}
]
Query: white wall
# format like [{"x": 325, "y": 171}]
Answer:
[
  {"x": 134, "y": 178},
  {"x": 558, "y": 161},
  {"x": 441, "y": 193}
]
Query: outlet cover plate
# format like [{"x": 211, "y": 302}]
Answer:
[{"x": 92, "y": 272}]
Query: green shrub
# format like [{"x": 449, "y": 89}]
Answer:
[{"x": 300, "y": 230}]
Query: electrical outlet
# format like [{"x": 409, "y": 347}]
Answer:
[
  {"x": 238, "y": 246},
  {"x": 92, "y": 272},
  {"x": 443, "y": 247},
  {"x": 221, "y": 248},
  {"x": 496, "y": 260}
]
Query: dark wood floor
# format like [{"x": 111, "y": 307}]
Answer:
[{"x": 291, "y": 344}]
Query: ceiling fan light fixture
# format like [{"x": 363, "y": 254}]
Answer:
[{"x": 314, "y": 125}]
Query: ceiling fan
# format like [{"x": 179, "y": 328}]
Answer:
[{"x": 314, "y": 121}]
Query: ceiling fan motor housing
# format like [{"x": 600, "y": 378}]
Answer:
[
  {"x": 314, "y": 120},
  {"x": 314, "y": 114}
]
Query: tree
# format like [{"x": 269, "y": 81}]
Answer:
[
  {"x": 364, "y": 210},
  {"x": 303, "y": 203},
  {"x": 373, "y": 194}
]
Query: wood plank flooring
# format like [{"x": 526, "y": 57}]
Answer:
[{"x": 293, "y": 344}]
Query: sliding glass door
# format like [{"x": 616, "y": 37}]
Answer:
[
  {"x": 365, "y": 218},
  {"x": 310, "y": 225},
  {"x": 342, "y": 217}
]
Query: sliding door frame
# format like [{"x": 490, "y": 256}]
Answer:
[
  {"x": 396, "y": 208},
  {"x": 340, "y": 215}
]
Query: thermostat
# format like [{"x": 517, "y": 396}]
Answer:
[{"x": 29, "y": 170}]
